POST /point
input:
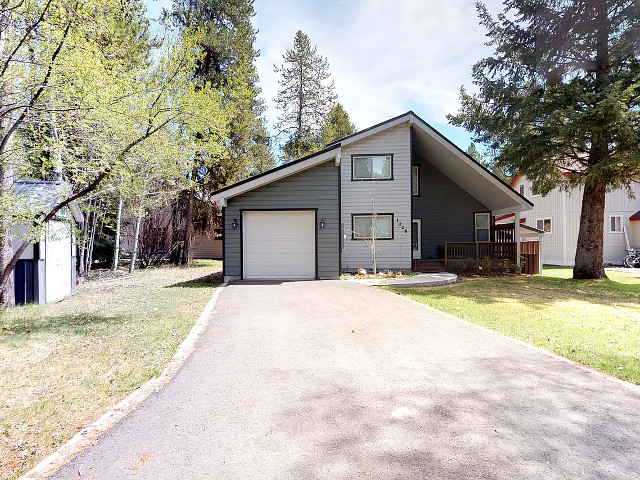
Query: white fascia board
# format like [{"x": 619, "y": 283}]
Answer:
[
  {"x": 475, "y": 166},
  {"x": 276, "y": 175},
  {"x": 507, "y": 210},
  {"x": 378, "y": 129}
]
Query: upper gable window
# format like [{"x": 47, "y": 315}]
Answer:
[{"x": 372, "y": 167}]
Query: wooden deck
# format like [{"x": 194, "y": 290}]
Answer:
[{"x": 497, "y": 253}]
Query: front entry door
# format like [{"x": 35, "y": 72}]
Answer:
[{"x": 416, "y": 238}]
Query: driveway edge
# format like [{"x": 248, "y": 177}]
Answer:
[
  {"x": 628, "y": 385},
  {"x": 89, "y": 435}
]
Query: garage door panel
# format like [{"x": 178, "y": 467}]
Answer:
[{"x": 279, "y": 245}]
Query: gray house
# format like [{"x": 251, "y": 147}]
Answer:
[{"x": 424, "y": 198}]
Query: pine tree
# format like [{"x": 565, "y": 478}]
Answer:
[
  {"x": 561, "y": 95},
  {"x": 305, "y": 98},
  {"x": 337, "y": 125},
  {"x": 228, "y": 64}
]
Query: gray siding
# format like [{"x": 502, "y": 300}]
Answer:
[
  {"x": 314, "y": 188},
  {"x": 446, "y": 210},
  {"x": 390, "y": 196}
]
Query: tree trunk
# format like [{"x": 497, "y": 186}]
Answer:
[
  {"x": 83, "y": 243},
  {"x": 116, "y": 248},
  {"x": 186, "y": 250},
  {"x": 91, "y": 242},
  {"x": 589, "y": 250},
  {"x": 136, "y": 235}
]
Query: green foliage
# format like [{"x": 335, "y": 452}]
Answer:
[
  {"x": 561, "y": 92},
  {"x": 305, "y": 98},
  {"x": 228, "y": 64},
  {"x": 121, "y": 121},
  {"x": 337, "y": 125}
]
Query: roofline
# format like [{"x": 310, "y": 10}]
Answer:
[
  {"x": 360, "y": 132},
  {"x": 275, "y": 169},
  {"x": 515, "y": 179},
  {"x": 472, "y": 159},
  {"x": 338, "y": 143},
  {"x": 533, "y": 229}
]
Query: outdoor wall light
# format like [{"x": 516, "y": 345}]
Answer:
[
  {"x": 322, "y": 223},
  {"x": 234, "y": 224}
]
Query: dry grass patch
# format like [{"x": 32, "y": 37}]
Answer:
[
  {"x": 595, "y": 322},
  {"x": 62, "y": 365}
]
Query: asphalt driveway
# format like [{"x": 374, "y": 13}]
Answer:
[{"x": 335, "y": 380}]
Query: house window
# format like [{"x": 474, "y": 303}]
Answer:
[
  {"x": 415, "y": 180},
  {"x": 615, "y": 224},
  {"x": 544, "y": 224},
  {"x": 522, "y": 190},
  {"x": 382, "y": 226},
  {"x": 482, "y": 227},
  {"x": 372, "y": 167}
]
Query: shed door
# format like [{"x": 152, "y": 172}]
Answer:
[{"x": 279, "y": 245}]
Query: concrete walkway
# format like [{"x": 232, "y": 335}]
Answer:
[
  {"x": 334, "y": 380},
  {"x": 418, "y": 280}
]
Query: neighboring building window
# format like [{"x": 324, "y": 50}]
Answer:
[
  {"x": 374, "y": 167},
  {"x": 522, "y": 190},
  {"x": 415, "y": 180},
  {"x": 482, "y": 227},
  {"x": 544, "y": 224},
  {"x": 383, "y": 226},
  {"x": 615, "y": 224}
]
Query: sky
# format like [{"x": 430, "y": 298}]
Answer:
[{"x": 386, "y": 57}]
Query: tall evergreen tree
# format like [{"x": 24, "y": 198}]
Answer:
[
  {"x": 561, "y": 94},
  {"x": 305, "y": 98},
  {"x": 337, "y": 125},
  {"x": 228, "y": 64}
]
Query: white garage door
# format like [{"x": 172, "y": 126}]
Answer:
[{"x": 279, "y": 245}]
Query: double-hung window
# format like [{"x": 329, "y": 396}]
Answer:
[
  {"x": 372, "y": 167},
  {"x": 367, "y": 225},
  {"x": 482, "y": 226}
]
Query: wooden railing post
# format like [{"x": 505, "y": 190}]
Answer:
[{"x": 446, "y": 253}]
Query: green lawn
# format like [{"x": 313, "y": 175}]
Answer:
[
  {"x": 595, "y": 322},
  {"x": 63, "y": 364}
]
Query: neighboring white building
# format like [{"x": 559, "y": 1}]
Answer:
[
  {"x": 558, "y": 214},
  {"x": 46, "y": 270}
]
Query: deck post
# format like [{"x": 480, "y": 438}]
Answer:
[
  {"x": 516, "y": 234},
  {"x": 445, "y": 254}
]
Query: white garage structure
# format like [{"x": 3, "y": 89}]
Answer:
[{"x": 279, "y": 245}]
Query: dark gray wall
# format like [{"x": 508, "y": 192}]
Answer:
[
  {"x": 446, "y": 210},
  {"x": 314, "y": 188}
]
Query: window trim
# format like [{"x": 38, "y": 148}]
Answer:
[
  {"x": 353, "y": 226},
  {"x": 417, "y": 175},
  {"x": 522, "y": 189},
  {"x": 621, "y": 224},
  {"x": 370, "y": 155},
  {"x": 550, "y": 224},
  {"x": 475, "y": 228}
]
